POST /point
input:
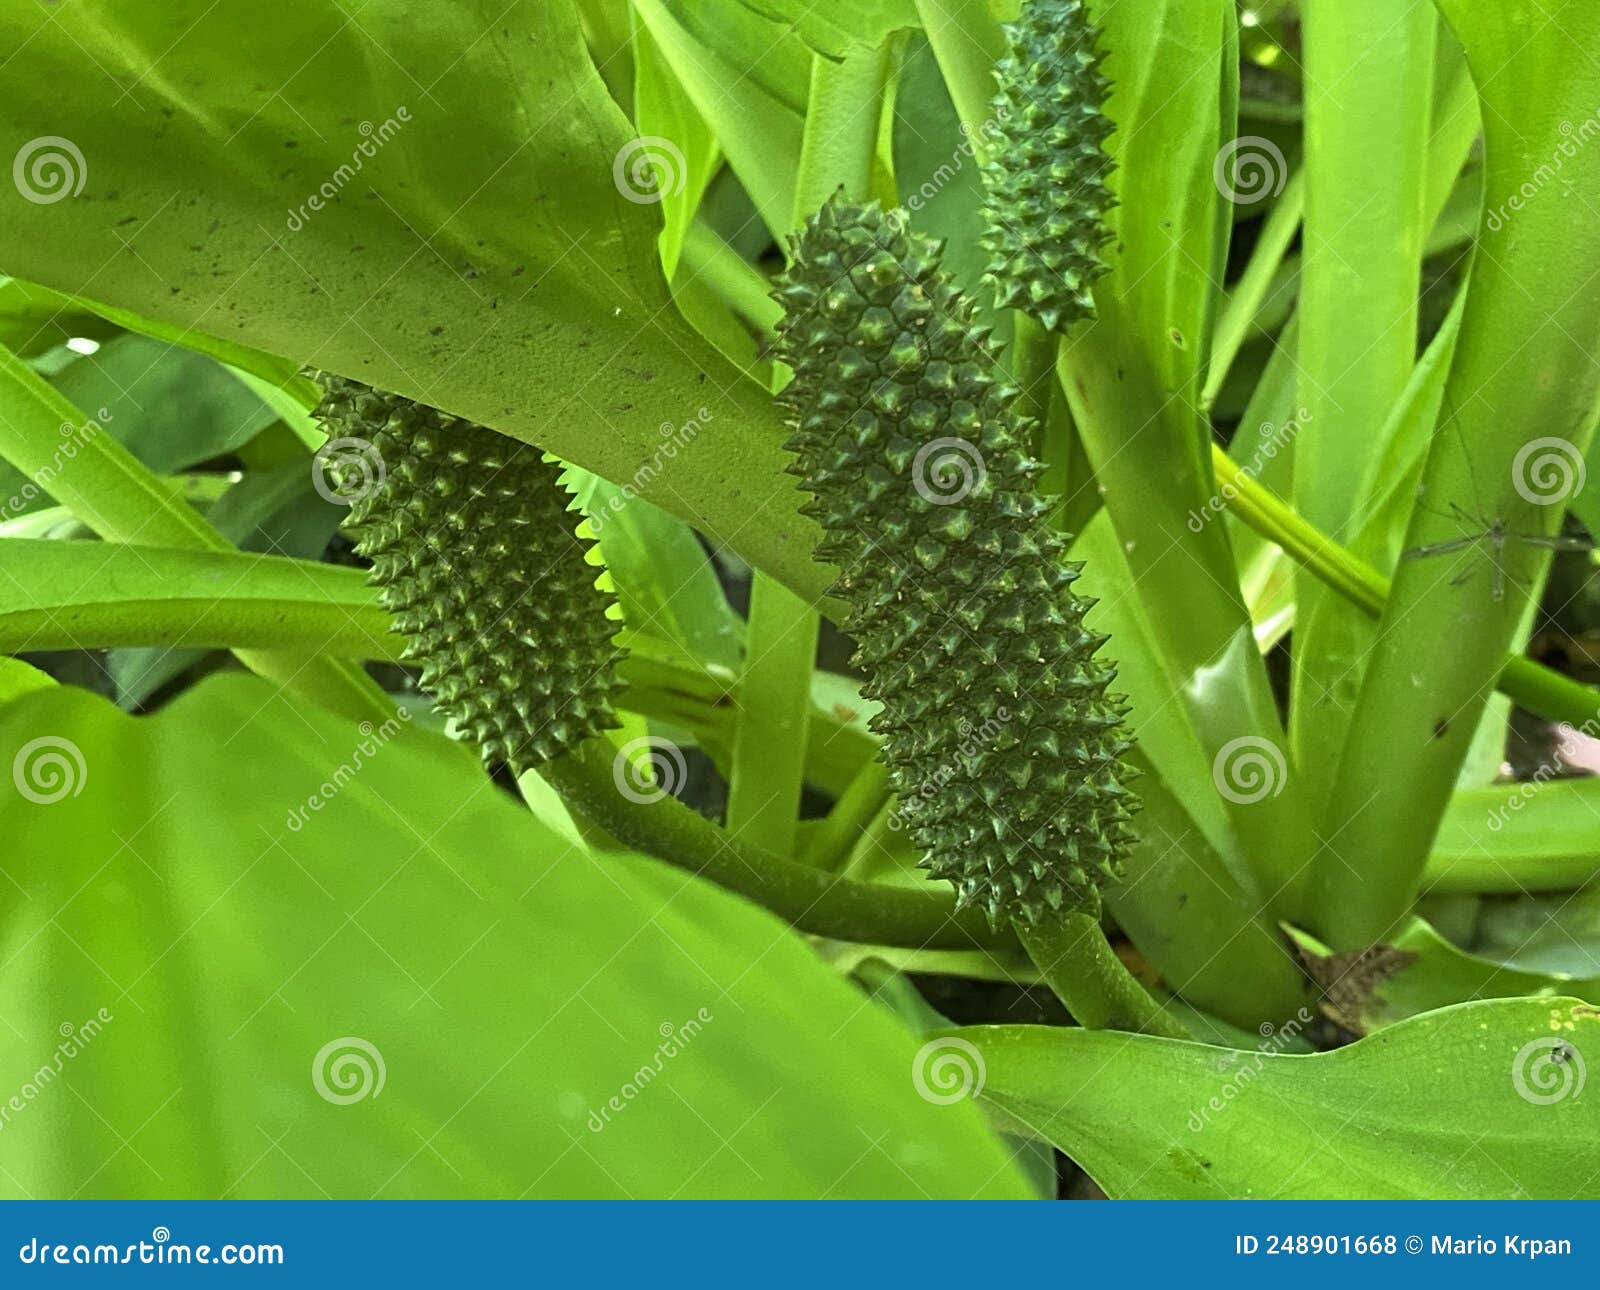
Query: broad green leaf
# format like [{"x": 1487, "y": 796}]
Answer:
[
  {"x": 170, "y": 407},
  {"x": 1553, "y": 934},
  {"x": 936, "y": 167},
  {"x": 431, "y": 204},
  {"x": 689, "y": 159},
  {"x": 1466, "y": 1103},
  {"x": 1441, "y": 974},
  {"x": 1517, "y": 419},
  {"x": 231, "y": 946},
  {"x": 749, "y": 91},
  {"x": 18, "y": 678},
  {"x": 607, "y": 28},
  {"x": 836, "y": 27},
  {"x": 34, "y": 321},
  {"x": 105, "y": 321},
  {"x": 775, "y": 59},
  {"x": 967, "y": 40},
  {"x": 665, "y": 581},
  {"x": 1536, "y": 836}
]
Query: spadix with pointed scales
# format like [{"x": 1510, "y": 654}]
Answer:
[
  {"x": 475, "y": 551},
  {"x": 960, "y": 596},
  {"x": 1046, "y": 200}
]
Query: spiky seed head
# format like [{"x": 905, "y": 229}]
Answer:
[
  {"x": 1046, "y": 200},
  {"x": 475, "y": 550},
  {"x": 1001, "y": 738}
]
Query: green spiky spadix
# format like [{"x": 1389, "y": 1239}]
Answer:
[
  {"x": 998, "y": 731},
  {"x": 1046, "y": 200},
  {"x": 476, "y": 555}
]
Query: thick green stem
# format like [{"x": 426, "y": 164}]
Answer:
[
  {"x": 1087, "y": 976},
  {"x": 708, "y": 260},
  {"x": 1541, "y": 691},
  {"x": 1033, "y": 367},
  {"x": 851, "y": 815},
  {"x": 769, "y": 747},
  {"x": 841, "y": 129},
  {"x": 813, "y": 901}
]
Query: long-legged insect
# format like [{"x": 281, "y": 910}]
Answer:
[{"x": 1496, "y": 535}]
